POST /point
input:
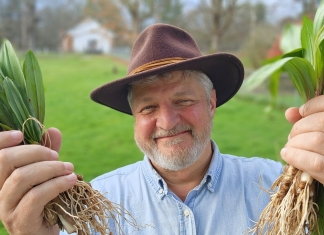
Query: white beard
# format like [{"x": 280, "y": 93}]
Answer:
[{"x": 177, "y": 159}]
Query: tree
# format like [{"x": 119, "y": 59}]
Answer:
[
  {"x": 54, "y": 18},
  {"x": 127, "y": 18},
  {"x": 110, "y": 15},
  {"x": 168, "y": 11},
  {"x": 28, "y": 24},
  {"x": 10, "y": 19},
  {"x": 221, "y": 13},
  {"x": 233, "y": 34},
  {"x": 309, "y": 7}
]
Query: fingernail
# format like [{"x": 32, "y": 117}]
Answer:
[
  {"x": 283, "y": 152},
  {"x": 301, "y": 110},
  {"x": 16, "y": 135},
  {"x": 68, "y": 166},
  {"x": 54, "y": 154},
  {"x": 71, "y": 177},
  {"x": 289, "y": 137}
]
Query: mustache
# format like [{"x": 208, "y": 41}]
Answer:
[{"x": 174, "y": 131}]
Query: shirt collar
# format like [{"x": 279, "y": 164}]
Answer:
[
  {"x": 210, "y": 178},
  {"x": 214, "y": 169}
]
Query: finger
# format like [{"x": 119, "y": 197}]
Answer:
[
  {"x": 312, "y": 106},
  {"x": 10, "y": 138},
  {"x": 19, "y": 156},
  {"x": 44, "y": 193},
  {"x": 310, "y": 141},
  {"x": 28, "y": 216},
  {"x": 293, "y": 115},
  {"x": 310, "y": 162},
  {"x": 311, "y": 123},
  {"x": 52, "y": 139},
  {"x": 23, "y": 180}
]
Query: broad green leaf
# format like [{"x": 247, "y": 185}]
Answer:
[
  {"x": 274, "y": 86},
  {"x": 263, "y": 73},
  {"x": 271, "y": 60},
  {"x": 319, "y": 56},
  {"x": 34, "y": 85},
  {"x": 10, "y": 66},
  {"x": 9, "y": 118},
  {"x": 302, "y": 75},
  {"x": 2, "y": 76},
  {"x": 1, "y": 80},
  {"x": 290, "y": 38},
  {"x": 307, "y": 40},
  {"x": 5, "y": 127},
  {"x": 319, "y": 19},
  {"x": 300, "y": 70},
  {"x": 31, "y": 129},
  {"x": 294, "y": 53}
]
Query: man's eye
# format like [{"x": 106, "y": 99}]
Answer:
[
  {"x": 184, "y": 101},
  {"x": 148, "y": 108}
]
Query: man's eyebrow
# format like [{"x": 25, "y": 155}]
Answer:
[{"x": 146, "y": 99}]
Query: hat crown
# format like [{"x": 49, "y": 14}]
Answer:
[{"x": 162, "y": 41}]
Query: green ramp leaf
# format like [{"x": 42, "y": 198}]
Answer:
[
  {"x": 6, "y": 114},
  {"x": 319, "y": 56},
  {"x": 10, "y": 66},
  {"x": 302, "y": 75},
  {"x": 319, "y": 18},
  {"x": 34, "y": 85},
  {"x": 307, "y": 40},
  {"x": 290, "y": 38},
  {"x": 32, "y": 130},
  {"x": 304, "y": 78}
]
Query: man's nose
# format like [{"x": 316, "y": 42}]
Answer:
[{"x": 168, "y": 117}]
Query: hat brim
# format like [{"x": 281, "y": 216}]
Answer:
[{"x": 225, "y": 71}]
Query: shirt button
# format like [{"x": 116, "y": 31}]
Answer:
[
  {"x": 186, "y": 212},
  {"x": 160, "y": 191},
  {"x": 209, "y": 185}
]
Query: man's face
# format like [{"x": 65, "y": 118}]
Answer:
[{"x": 173, "y": 121}]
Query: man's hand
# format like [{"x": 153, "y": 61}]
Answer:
[
  {"x": 305, "y": 147},
  {"x": 30, "y": 176}
]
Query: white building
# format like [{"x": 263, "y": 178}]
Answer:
[{"x": 87, "y": 37}]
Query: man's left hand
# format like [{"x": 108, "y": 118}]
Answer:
[{"x": 305, "y": 147}]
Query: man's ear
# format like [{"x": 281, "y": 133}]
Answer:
[{"x": 213, "y": 101}]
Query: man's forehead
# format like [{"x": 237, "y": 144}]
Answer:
[
  {"x": 154, "y": 91},
  {"x": 172, "y": 82}
]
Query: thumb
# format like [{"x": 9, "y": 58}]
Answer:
[
  {"x": 293, "y": 115},
  {"x": 52, "y": 139}
]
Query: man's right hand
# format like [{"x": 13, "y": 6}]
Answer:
[{"x": 30, "y": 177}]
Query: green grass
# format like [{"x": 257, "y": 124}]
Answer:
[{"x": 97, "y": 139}]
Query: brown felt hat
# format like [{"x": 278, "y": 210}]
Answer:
[{"x": 163, "y": 48}]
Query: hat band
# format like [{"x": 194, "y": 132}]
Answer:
[{"x": 156, "y": 63}]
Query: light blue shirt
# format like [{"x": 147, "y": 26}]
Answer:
[{"x": 227, "y": 201}]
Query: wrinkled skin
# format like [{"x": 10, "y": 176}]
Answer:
[
  {"x": 30, "y": 176},
  {"x": 305, "y": 146}
]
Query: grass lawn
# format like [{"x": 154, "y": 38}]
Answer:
[{"x": 98, "y": 139}]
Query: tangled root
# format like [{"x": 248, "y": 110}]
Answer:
[
  {"x": 82, "y": 208},
  {"x": 292, "y": 209}
]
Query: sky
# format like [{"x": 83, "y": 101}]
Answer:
[{"x": 277, "y": 9}]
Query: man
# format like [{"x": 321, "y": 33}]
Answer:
[{"x": 184, "y": 185}]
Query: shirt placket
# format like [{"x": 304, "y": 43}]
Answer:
[{"x": 187, "y": 218}]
